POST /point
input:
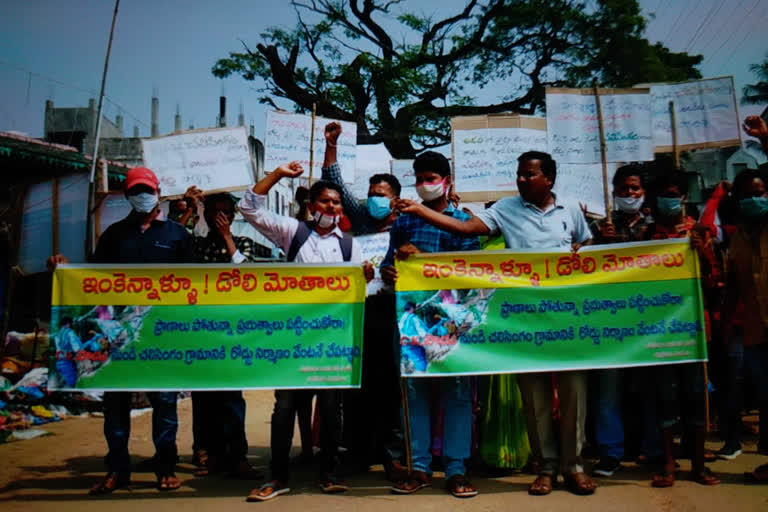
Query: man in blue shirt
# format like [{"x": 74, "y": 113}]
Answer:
[
  {"x": 411, "y": 234},
  {"x": 538, "y": 219},
  {"x": 140, "y": 238}
]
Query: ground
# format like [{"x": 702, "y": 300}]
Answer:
[{"x": 55, "y": 472}]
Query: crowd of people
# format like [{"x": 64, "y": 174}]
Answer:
[{"x": 537, "y": 421}]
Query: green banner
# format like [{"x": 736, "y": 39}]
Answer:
[
  {"x": 248, "y": 327},
  {"x": 606, "y": 307}
]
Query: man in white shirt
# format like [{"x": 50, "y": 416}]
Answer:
[{"x": 325, "y": 244}]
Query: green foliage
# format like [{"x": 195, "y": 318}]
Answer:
[
  {"x": 757, "y": 93},
  {"x": 401, "y": 75}
]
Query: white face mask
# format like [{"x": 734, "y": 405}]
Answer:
[
  {"x": 144, "y": 202},
  {"x": 324, "y": 221},
  {"x": 629, "y": 204},
  {"x": 431, "y": 191}
]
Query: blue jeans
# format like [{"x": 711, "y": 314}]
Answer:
[
  {"x": 117, "y": 430},
  {"x": 609, "y": 423},
  {"x": 456, "y": 397}
]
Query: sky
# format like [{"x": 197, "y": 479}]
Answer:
[{"x": 51, "y": 49}]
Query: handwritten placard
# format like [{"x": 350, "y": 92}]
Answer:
[
  {"x": 485, "y": 151},
  {"x": 373, "y": 248},
  {"x": 705, "y": 112},
  {"x": 403, "y": 171},
  {"x": 288, "y": 139},
  {"x": 213, "y": 160},
  {"x": 583, "y": 183},
  {"x": 573, "y": 127}
]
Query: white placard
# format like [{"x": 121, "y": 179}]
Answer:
[
  {"x": 373, "y": 248},
  {"x": 486, "y": 158},
  {"x": 705, "y": 112},
  {"x": 583, "y": 183},
  {"x": 287, "y": 140},
  {"x": 403, "y": 171},
  {"x": 574, "y": 133},
  {"x": 212, "y": 160}
]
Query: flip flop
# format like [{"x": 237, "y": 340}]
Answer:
[
  {"x": 417, "y": 481},
  {"x": 260, "y": 493},
  {"x": 168, "y": 482},
  {"x": 460, "y": 487},
  {"x": 663, "y": 479},
  {"x": 110, "y": 483},
  {"x": 541, "y": 486}
]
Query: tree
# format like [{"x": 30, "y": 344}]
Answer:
[
  {"x": 757, "y": 94},
  {"x": 401, "y": 75}
]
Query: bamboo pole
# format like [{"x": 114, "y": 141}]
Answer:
[
  {"x": 89, "y": 212},
  {"x": 406, "y": 423},
  {"x": 312, "y": 143},
  {"x": 55, "y": 216},
  {"x": 603, "y": 157},
  {"x": 675, "y": 147}
]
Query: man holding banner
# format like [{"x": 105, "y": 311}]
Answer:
[
  {"x": 323, "y": 243},
  {"x": 140, "y": 238},
  {"x": 410, "y": 234},
  {"x": 538, "y": 219}
]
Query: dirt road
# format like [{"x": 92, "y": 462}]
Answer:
[{"x": 54, "y": 473}]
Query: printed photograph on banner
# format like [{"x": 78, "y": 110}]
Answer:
[{"x": 403, "y": 171}]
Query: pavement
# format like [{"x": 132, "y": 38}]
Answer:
[{"x": 54, "y": 472}]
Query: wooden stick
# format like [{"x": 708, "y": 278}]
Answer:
[
  {"x": 312, "y": 144},
  {"x": 406, "y": 422},
  {"x": 603, "y": 157},
  {"x": 675, "y": 147}
]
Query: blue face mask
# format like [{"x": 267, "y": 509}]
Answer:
[
  {"x": 378, "y": 207},
  {"x": 754, "y": 207},
  {"x": 669, "y": 206}
]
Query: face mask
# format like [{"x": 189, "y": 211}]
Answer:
[
  {"x": 431, "y": 191},
  {"x": 669, "y": 206},
  {"x": 754, "y": 207},
  {"x": 144, "y": 202},
  {"x": 325, "y": 221},
  {"x": 629, "y": 204},
  {"x": 378, "y": 207}
]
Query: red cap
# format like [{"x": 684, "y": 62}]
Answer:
[{"x": 141, "y": 176}]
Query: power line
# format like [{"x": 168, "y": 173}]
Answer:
[
  {"x": 712, "y": 12},
  {"x": 726, "y": 22},
  {"x": 677, "y": 21},
  {"x": 72, "y": 86},
  {"x": 734, "y": 32}
]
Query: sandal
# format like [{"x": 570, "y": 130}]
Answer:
[
  {"x": 663, "y": 479},
  {"x": 168, "y": 482},
  {"x": 460, "y": 487},
  {"x": 416, "y": 481},
  {"x": 332, "y": 486},
  {"x": 267, "y": 491},
  {"x": 580, "y": 484},
  {"x": 111, "y": 483},
  {"x": 705, "y": 477},
  {"x": 541, "y": 486}
]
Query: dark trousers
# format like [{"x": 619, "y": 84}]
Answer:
[
  {"x": 372, "y": 420},
  {"x": 218, "y": 425},
  {"x": 117, "y": 430},
  {"x": 283, "y": 422}
]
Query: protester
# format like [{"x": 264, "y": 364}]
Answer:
[
  {"x": 747, "y": 280},
  {"x": 681, "y": 388},
  {"x": 537, "y": 218},
  {"x": 626, "y": 224},
  {"x": 218, "y": 417},
  {"x": 372, "y": 428},
  {"x": 141, "y": 237},
  {"x": 318, "y": 241},
  {"x": 410, "y": 235}
]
